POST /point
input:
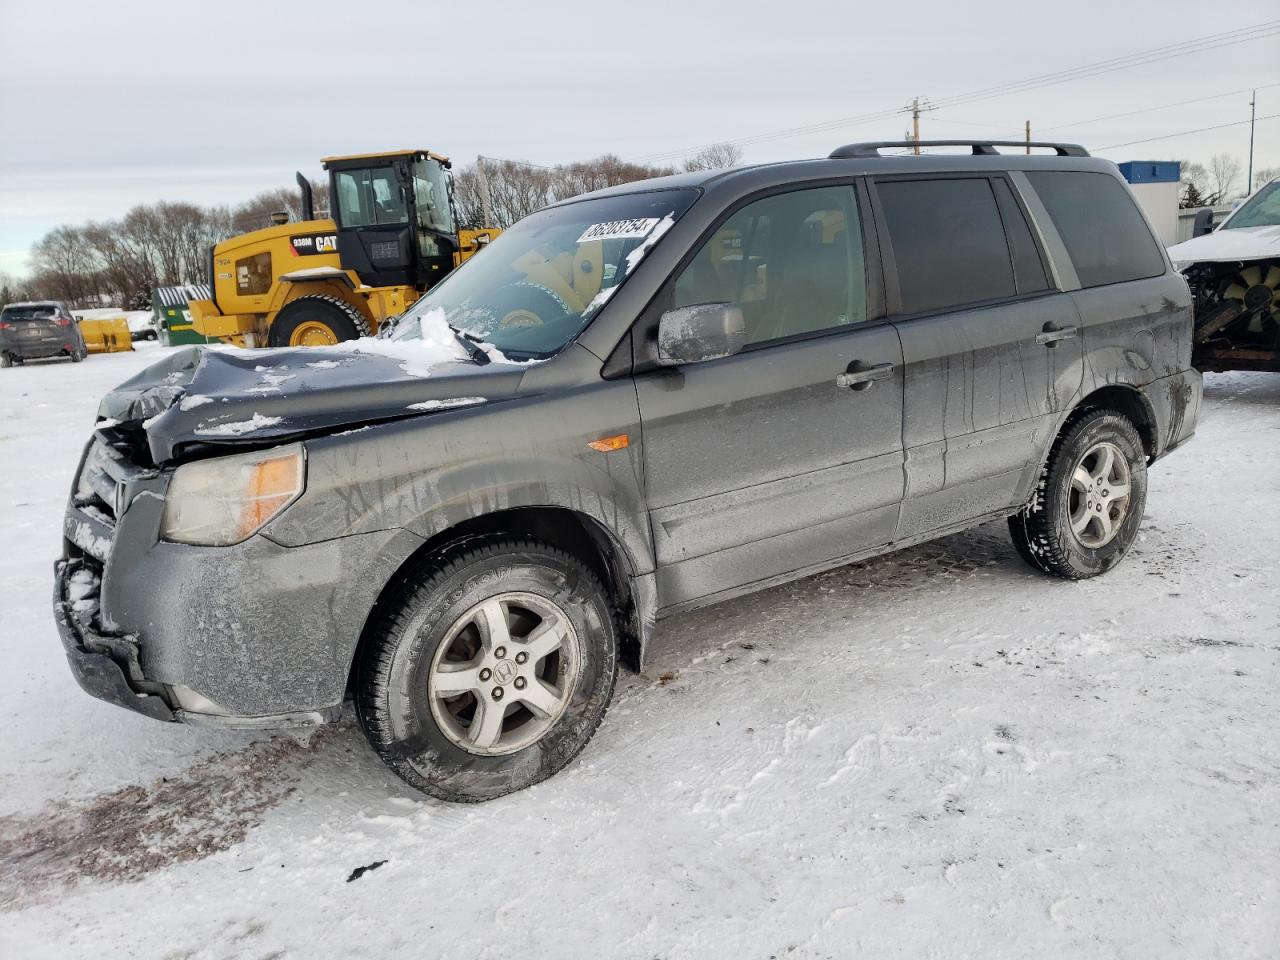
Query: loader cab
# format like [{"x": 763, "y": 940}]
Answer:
[{"x": 395, "y": 216}]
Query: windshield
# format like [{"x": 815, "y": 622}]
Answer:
[
  {"x": 431, "y": 195},
  {"x": 534, "y": 288},
  {"x": 1260, "y": 210}
]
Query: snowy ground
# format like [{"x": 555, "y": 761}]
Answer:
[{"x": 937, "y": 754}]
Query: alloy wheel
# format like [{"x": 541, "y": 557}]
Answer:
[
  {"x": 1099, "y": 500},
  {"x": 504, "y": 672}
]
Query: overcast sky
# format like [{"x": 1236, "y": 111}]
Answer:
[{"x": 105, "y": 105}]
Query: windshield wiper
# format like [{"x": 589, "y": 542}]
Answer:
[{"x": 471, "y": 344}]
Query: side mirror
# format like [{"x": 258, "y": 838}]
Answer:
[
  {"x": 704, "y": 331},
  {"x": 1203, "y": 223}
]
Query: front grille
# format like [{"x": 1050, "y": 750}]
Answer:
[
  {"x": 103, "y": 491},
  {"x": 99, "y": 486}
]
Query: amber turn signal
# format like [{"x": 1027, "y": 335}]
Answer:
[{"x": 617, "y": 442}]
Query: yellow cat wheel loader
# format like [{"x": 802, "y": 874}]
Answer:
[{"x": 392, "y": 235}]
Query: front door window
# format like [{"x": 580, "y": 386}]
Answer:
[{"x": 793, "y": 263}]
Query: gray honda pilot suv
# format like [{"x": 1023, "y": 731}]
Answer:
[{"x": 633, "y": 403}]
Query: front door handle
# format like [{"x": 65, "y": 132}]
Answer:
[
  {"x": 861, "y": 375},
  {"x": 1051, "y": 334}
]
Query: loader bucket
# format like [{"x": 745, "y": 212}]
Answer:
[{"x": 109, "y": 335}]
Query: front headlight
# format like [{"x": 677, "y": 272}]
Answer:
[{"x": 226, "y": 500}]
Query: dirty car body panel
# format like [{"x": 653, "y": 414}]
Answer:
[{"x": 821, "y": 441}]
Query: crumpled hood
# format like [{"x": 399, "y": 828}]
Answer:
[
  {"x": 221, "y": 396},
  {"x": 1244, "y": 243}
]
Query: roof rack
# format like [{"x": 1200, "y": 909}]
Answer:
[{"x": 981, "y": 148}]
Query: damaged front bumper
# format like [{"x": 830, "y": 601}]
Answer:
[
  {"x": 252, "y": 635},
  {"x": 106, "y": 667},
  {"x": 109, "y": 667}
]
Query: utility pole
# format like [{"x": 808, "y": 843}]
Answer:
[
  {"x": 915, "y": 124},
  {"x": 1028, "y": 138},
  {"x": 486, "y": 204},
  {"x": 1253, "y": 114}
]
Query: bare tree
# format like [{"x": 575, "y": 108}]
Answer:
[
  {"x": 165, "y": 243},
  {"x": 256, "y": 213},
  {"x": 63, "y": 263},
  {"x": 1223, "y": 171},
  {"x": 14, "y": 289},
  {"x": 124, "y": 268},
  {"x": 1265, "y": 175},
  {"x": 1194, "y": 179},
  {"x": 715, "y": 157},
  {"x": 517, "y": 189}
]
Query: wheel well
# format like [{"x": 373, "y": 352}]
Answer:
[
  {"x": 1129, "y": 402},
  {"x": 566, "y": 529}
]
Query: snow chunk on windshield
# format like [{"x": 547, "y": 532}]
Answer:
[
  {"x": 235, "y": 428},
  {"x": 437, "y": 344}
]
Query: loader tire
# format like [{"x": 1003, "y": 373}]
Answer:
[
  {"x": 316, "y": 321},
  {"x": 1085, "y": 512}
]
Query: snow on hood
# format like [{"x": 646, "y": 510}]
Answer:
[
  {"x": 229, "y": 396},
  {"x": 1242, "y": 243}
]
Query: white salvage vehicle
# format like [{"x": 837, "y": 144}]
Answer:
[{"x": 1234, "y": 274}]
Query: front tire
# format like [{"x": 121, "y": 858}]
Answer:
[
  {"x": 317, "y": 321},
  {"x": 488, "y": 670},
  {"x": 1087, "y": 508}
]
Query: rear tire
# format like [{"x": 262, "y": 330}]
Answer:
[
  {"x": 1088, "y": 506},
  {"x": 315, "y": 321},
  {"x": 444, "y": 673},
  {"x": 5, "y": 360},
  {"x": 76, "y": 356}
]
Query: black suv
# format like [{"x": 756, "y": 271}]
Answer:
[
  {"x": 632, "y": 403},
  {"x": 39, "y": 329}
]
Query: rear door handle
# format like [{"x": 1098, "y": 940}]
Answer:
[
  {"x": 861, "y": 375},
  {"x": 1052, "y": 334}
]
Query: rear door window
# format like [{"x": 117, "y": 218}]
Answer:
[
  {"x": 948, "y": 242},
  {"x": 1099, "y": 223}
]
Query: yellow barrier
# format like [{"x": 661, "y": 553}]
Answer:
[{"x": 110, "y": 335}]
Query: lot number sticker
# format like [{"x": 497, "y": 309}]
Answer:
[{"x": 618, "y": 229}]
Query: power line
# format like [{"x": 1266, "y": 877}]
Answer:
[
  {"x": 1184, "y": 133},
  {"x": 1109, "y": 116},
  {"x": 1214, "y": 41},
  {"x": 971, "y": 123},
  {"x": 1141, "y": 58},
  {"x": 1163, "y": 106}
]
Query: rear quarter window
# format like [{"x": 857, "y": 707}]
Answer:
[{"x": 1100, "y": 225}]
